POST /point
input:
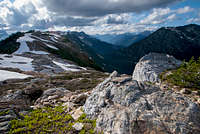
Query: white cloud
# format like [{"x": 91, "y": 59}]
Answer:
[
  {"x": 163, "y": 15},
  {"x": 16, "y": 13},
  {"x": 94, "y": 16},
  {"x": 107, "y": 28},
  {"x": 184, "y": 10},
  {"x": 171, "y": 17},
  {"x": 193, "y": 20},
  {"x": 156, "y": 17}
]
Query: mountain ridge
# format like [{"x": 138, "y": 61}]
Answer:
[
  {"x": 181, "y": 42},
  {"x": 175, "y": 41},
  {"x": 123, "y": 40}
]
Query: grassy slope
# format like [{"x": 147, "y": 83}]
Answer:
[
  {"x": 51, "y": 120},
  {"x": 56, "y": 119}
]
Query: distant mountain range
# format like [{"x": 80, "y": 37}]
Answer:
[
  {"x": 87, "y": 51},
  {"x": 182, "y": 42},
  {"x": 3, "y": 35},
  {"x": 123, "y": 40}
]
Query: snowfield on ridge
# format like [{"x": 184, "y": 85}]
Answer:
[{"x": 5, "y": 75}]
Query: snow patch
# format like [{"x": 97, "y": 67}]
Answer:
[
  {"x": 24, "y": 47},
  {"x": 53, "y": 39},
  {"x": 12, "y": 61},
  {"x": 67, "y": 67},
  {"x": 48, "y": 66},
  {"x": 5, "y": 75},
  {"x": 39, "y": 52},
  {"x": 26, "y": 37},
  {"x": 56, "y": 35},
  {"x": 50, "y": 46},
  {"x": 40, "y": 39}
]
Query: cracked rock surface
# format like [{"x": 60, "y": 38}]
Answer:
[
  {"x": 150, "y": 66},
  {"x": 132, "y": 107}
]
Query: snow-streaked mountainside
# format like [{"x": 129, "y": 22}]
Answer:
[
  {"x": 73, "y": 51},
  {"x": 99, "y": 51},
  {"x": 24, "y": 47},
  {"x": 56, "y": 51},
  {"x": 34, "y": 54}
]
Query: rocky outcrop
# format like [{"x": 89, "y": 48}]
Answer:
[
  {"x": 120, "y": 104},
  {"x": 18, "y": 103},
  {"x": 20, "y": 99},
  {"x": 14, "y": 103},
  {"x": 125, "y": 106},
  {"x": 56, "y": 96},
  {"x": 150, "y": 66}
]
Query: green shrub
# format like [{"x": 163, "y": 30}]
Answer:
[
  {"x": 49, "y": 120},
  {"x": 187, "y": 75}
]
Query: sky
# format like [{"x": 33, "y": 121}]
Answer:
[{"x": 97, "y": 16}]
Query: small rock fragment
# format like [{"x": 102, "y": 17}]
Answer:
[
  {"x": 77, "y": 113},
  {"x": 78, "y": 126}
]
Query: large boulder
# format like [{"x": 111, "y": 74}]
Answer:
[
  {"x": 150, "y": 66},
  {"x": 125, "y": 106}
]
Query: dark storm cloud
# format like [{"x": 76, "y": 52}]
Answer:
[
  {"x": 102, "y": 7},
  {"x": 112, "y": 20},
  {"x": 71, "y": 21},
  {"x": 62, "y": 21}
]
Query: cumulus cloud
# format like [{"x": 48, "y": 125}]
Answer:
[
  {"x": 47, "y": 13},
  {"x": 157, "y": 16},
  {"x": 94, "y": 16},
  {"x": 15, "y": 13},
  {"x": 163, "y": 15},
  {"x": 111, "y": 29},
  {"x": 193, "y": 20}
]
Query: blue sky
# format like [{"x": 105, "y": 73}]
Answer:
[
  {"x": 195, "y": 4},
  {"x": 97, "y": 16}
]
